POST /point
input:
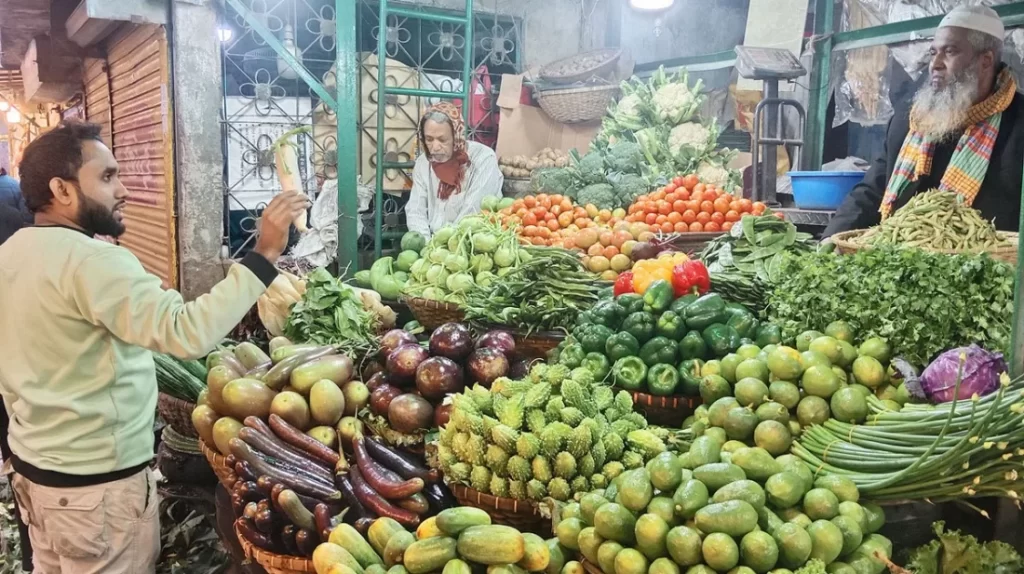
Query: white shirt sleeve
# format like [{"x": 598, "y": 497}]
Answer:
[
  {"x": 484, "y": 180},
  {"x": 416, "y": 215}
]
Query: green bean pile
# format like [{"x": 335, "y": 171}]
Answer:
[
  {"x": 546, "y": 292},
  {"x": 935, "y": 220},
  {"x": 952, "y": 451}
]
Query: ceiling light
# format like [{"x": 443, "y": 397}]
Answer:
[
  {"x": 225, "y": 33},
  {"x": 651, "y": 4},
  {"x": 13, "y": 116},
  {"x": 4, "y": 106}
]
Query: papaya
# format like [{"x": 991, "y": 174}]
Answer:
[{"x": 491, "y": 544}]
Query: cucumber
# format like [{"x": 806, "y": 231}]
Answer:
[
  {"x": 429, "y": 555},
  {"x": 733, "y": 517},
  {"x": 492, "y": 544},
  {"x": 349, "y": 538},
  {"x": 454, "y": 520}
]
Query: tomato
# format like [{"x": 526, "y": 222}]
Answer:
[
  {"x": 678, "y": 181},
  {"x": 664, "y": 207},
  {"x": 565, "y": 219},
  {"x": 679, "y": 206},
  {"x": 683, "y": 194},
  {"x": 595, "y": 250},
  {"x": 780, "y": 215},
  {"x": 703, "y": 217},
  {"x": 718, "y": 217},
  {"x": 530, "y": 201},
  {"x": 711, "y": 194},
  {"x": 699, "y": 188},
  {"x": 727, "y": 226},
  {"x": 643, "y": 197},
  {"x": 556, "y": 209},
  {"x": 530, "y": 230},
  {"x": 651, "y": 218},
  {"x": 631, "y": 209},
  {"x": 553, "y": 224},
  {"x": 758, "y": 208},
  {"x": 566, "y": 204},
  {"x": 669, "y": 188},
  {"x": 732, "y": 215},
  {"x": 696, "y": 227},
  {"x": 690, "y": 181},
  {"x": 658, "y": 195},
  {"x": 675, "y": 217},
  {"x": 610, "y": 251},
  {"x": 671, "y": 197},
  {"x": 722, "y": 205},
  {"x": 681, "y": 227},
  {"x": 693, "y": 205},
  {"x": 667, "y": 227},
  {"x": 707, "y": 206},
  {"x": 697, "y": 196},
  {"x": 734, "y": 205},
  {"x": 660, "y": 219},
  {"x": 689, "y": 216},
  {"x": 745, "y": 206},
  {"x": 529, "y": 219},
  {"x": 711, "y": 227}
]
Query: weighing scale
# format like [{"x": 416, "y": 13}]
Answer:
[{"x": 770, "y": 65}]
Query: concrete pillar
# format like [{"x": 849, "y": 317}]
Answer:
[{"x": 199, "y": 158}]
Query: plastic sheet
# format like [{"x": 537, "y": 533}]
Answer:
[{"x": 319, "y": 246}]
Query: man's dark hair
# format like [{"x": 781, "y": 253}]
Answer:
[{"x": 56, "y": 153}]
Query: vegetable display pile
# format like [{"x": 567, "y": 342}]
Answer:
[
  {"x": 657, "y": 342},
  {"x": 462, "y": 258},
  {"x": 546, "y": 291},
  {"x": 967, "y": 448},
  {"x": 554, "y": 220},
  {"x": 185, "y": 380},
  {"x": 330, "y": 313},
  {"x": 732, "y": 511},
  {"x": 555, "y": 433},
  {"x": 767, "y": 396},
  {"x": 745, "y": 262},
  {"x": 458, "y": 540},
  {"x": 921, "y": 302},
  {"x": 406, "y": 394},
  {"x": 687, "y": 205},
  {"x": 935, "y": 220}
]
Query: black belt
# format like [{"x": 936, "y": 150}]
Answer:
[{"x": 56, "y": 479}]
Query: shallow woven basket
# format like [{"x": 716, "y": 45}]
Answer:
[
  {"x": 610, "y": 59},
  {"x": 432, "y": 314},
  {"x": 520, "y": 514},
  {"x": 667, "y": 411},
  {"x": 536, "y": 345},
  {"x": 577, "y": 105},
  {"x": 177, "y": 413},
  {"x": 271, "y": 562},
  {"x": 218, "y": 462},
  {"x": 845, "y": 243},
  {"x": 692, "y": 243}
]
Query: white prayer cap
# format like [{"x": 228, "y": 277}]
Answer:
[{"x": 979, "y": 18}]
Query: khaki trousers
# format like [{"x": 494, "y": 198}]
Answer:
[{"x": 111, "y": 528}]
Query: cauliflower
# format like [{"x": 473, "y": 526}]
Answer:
[
  {"x": 625, "y": 157},
  {"x": 600, "y": 195},
  {"x": 714, "y": 174},
  {"x": 695, "y": 137},
  {"x": 628, "y": 114},
  {"x": 674, "y": 101}
]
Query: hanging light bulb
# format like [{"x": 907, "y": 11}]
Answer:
[
  {"x": 651, "y": 4},
  {"x": 13, "y": 116},
  {"x": 4, "y": 106},
  {"x": 283, "y": 68},
  {"x": 224, "y": 33}
]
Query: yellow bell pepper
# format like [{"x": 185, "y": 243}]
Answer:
[{"x": 650, "y": 270}]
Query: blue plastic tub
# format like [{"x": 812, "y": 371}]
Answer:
[{"x": 823, "y": 190}]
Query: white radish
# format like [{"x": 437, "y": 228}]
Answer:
[{"x": 286, "y": 157}]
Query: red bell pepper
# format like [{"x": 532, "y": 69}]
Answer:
[
  {"x": 624, "y": 284},
  {"x": 690, "y": 277},
  {"x": 681, "y": 283}
]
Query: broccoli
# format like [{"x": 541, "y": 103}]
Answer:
[
  {"x": 601, "y": 195},
  {"x": 557, "y": 180},
  {"x": 591, "y": 168},
  {"x": 628, "y": 187},
  {"x": 625, "y": 157}
]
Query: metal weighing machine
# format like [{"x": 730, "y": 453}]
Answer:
[{"x": 770, "y": 65}]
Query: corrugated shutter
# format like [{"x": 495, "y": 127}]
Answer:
[
  {"x": 97, "y": 94},
  {"x": 141, "y": 116}
]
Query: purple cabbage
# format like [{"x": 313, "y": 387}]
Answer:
[{"x": 980, "y": 371}]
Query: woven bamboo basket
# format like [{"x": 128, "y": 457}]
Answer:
[
  {"x": 520, "y": 514},
  {"x": 609, "y": 59},
  {"x": 846, "y": 243},
  {"x": 577, "y": 105},
  {"x": 177, "y": 413},
  {"x": 536, "y": 345},
  {"x": 667, "y": 411},
  {"x": 218, "y": 462},
  {"x": 693, "y": 243},
  {"x": 432, "y": 314},
  {"x": 271, "y": 562}
]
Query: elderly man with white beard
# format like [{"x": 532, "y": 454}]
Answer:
[{"x": 964, "y": 133}]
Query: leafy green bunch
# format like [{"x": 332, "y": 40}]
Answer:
[{"x": 330, "y": 312}]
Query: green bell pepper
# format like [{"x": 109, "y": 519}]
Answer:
[
  {"x": 671, "y": 326},
  {"x": 621, "y": 345},
  {"x": 585, "y": 318},
  {"x": 598, "y": 365},
  {"x": 693, "y": 346},
  {"x": 630, "y": 302},
  {"x": 608, "y": 313},
  {"x": 594, "y": 339},
  {"x": 641, "y": 325},
  {"x": 705, "y": 311},
  {"x": 736, "y": 309},
  {"x": 689, "y": 377},
  {"x": 572, "y": 355},
  {"x": 681, "y": 304},
  {"x": 658, "y": 350},
  {"x": 630, "y": 373},
  {"x": 659, "y": 296},
  {"x": 744, "y": 322},
  {"x": 721, "y": 339},
  {"x": 768, "y": 334},
  {"x": 662, "y": 380}
]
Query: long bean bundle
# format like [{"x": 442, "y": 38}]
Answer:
[
  {"x": 547, "y": 291},
  {"x": 963, "y": 449},
  {"x": 935, "y": 220}
]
